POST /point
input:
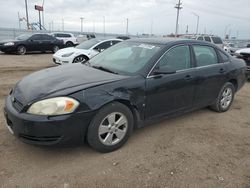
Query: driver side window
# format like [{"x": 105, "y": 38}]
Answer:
[{"x": 177, "y": 58}]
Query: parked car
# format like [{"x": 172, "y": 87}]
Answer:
[
  {"x": 231, "y": 48},
  {"x": 31, "y": 42},
  {"x": 125, "y": 87},
  {"x": 83, "y": 51},
  {"x": 210, "y": 38},
  {"x": 68, "y": 38},
  {"x": 245, "y": 55}
]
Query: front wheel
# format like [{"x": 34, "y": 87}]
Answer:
[
  {"x": 225, "y": 98},
  {"x": 21, "y": 50},
  {"x": 110, "y": 128},
  {"x": 80, "y": 59}
]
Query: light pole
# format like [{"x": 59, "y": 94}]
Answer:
[
  {"x": 104, "y": 20},
  {"x": 27, "y": 15},
  {"x": 127, "y": 27},
  {"x": 198, "y": 20},
  {"x": 81, "y": 23},
  {"x": 226, "y": 27}
]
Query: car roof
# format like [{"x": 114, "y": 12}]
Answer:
[{"x": 166, "y": 41}]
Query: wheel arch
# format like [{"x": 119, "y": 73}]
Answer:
[{"x": 235, "y": 83}]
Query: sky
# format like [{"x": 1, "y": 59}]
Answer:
[{"x": 144, "y": 16}]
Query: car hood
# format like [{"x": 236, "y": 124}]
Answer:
[
  {"x": 243, "y": 51},
  {"x": 60, "y": 81},
  {"x": 70, "y": 50},
  {"x": 10, "y": 40}
]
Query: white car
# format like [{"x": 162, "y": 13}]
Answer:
[
  {"x": 83, "y": 51},
  {"x": 213, "y": 39},
  {"x": 68, "y": 38}
]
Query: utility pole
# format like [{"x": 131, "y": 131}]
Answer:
[
  {"x": 127, "y": 27},
  {"x": 104, "y": 26},
  {"x": 178, "y": 7},
  {"x": 27, "y": 15},
  {"x": 198, "y": 20},
  {"x": 81, "y": 23}
]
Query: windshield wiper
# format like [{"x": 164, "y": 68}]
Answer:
[{"x": 104, "y": 69}]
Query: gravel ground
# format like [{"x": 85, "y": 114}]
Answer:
[{"x": 199, "y": 149}]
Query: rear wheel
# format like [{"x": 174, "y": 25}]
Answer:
[
  {"x": 80, "y": 59},
  {"x": 21, "y": 50},
  {"x": 110, "y": 128},
  {"x": 69, "y": 44},
  {"x": 55, "y": 49},
  {"x": 225, "y": 98}
]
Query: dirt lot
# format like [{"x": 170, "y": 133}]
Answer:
[{"x": 199, "y": 149}]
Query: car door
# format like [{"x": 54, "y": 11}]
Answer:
[
  {"x": 211, "y": 74},
  {"x": 169, "y": 93},
  {"x": 34, "y": 43},
  {"x": 48, "y": 42}
]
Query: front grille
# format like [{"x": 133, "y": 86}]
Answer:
[{"x": 40, "y": 139}]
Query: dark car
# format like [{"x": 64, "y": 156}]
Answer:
[
  {"x": 125, "y": 87},
  {"x": 31, "y": 42}
]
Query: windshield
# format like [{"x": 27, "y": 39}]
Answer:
[
  {"x": 23, "y": 37},
  {"x": 125, "y": 58},
  {"x": 88, "y": 44}
]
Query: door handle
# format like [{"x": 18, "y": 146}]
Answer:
[
  {"x": 188, "y": 77},
  {"x": 222, "y": 70}
]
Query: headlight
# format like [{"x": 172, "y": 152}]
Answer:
[
  {"x": 9, "y": 44},
  {"x": 68, "y": 54},
  {"x": 54, "y": 106}
]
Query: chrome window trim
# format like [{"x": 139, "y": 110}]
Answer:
[{"x": 148, "y": 76}]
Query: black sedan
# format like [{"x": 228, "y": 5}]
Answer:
[
  {"x": 31, "y": 42},
  {"x": 125, "y": 87}
]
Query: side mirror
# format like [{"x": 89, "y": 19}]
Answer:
[
  {"x": 164, "y": 70},
  {"x": 31, "y": 40}
]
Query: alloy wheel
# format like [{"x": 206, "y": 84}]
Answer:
[
  {"x": 226, "y": 98},
  {"x": 113, "y": 128}
]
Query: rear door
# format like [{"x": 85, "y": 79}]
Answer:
[
  {"x": 48, "y": 42},
  {"x": 211, "y": 74}
]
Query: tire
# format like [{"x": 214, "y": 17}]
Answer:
[
  {"x": 104, "y": 128},
  {"x": 69, "y": 44},
  {"x": 225, "y": 98},
  {"x": 21, "y": 50},
  {"x": 55, "y": 49},
  {"x": 80, "y": 59}
]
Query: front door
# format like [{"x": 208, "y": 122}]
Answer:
[{"x": 169, "y": 93}]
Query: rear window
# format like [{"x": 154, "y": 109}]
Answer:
[
  {"x": 207, "y": 39},
  {"x": 217, "y": 40}
]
